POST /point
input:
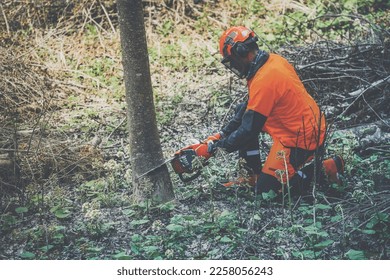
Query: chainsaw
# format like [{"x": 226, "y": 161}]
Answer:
[{"x": 182, "y": 163}]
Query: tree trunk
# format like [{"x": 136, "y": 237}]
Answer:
[{"x": 145, "y": 146}]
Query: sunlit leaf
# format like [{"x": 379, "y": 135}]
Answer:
[
  {"x": 27, "y": 255},
  {"x": 355, "y": 255},
  {"x": 323, "y": 206},
  {"x": 20, "y": 210},
  {"x": 173, "y": 227},
  {"x": 62, "y": 213},
  {"x": 324, "y": 244},
  {"x": 226, "y": 239},
  {"x": 122, "y": 256}
]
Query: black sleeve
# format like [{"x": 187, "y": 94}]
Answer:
[
  {"x": 251, "y": 125},
  {"x": 235, "y": 122}
]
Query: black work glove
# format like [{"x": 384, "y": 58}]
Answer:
[{"x": 211, "y": 147}]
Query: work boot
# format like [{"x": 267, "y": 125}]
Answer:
[
  {"x": 246, "y": 176},
  {"x": 334, "y": 169},
  {"x": 248, "y": 181}
]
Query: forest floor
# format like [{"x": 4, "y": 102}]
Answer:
[{"x": 68, "y": 193}]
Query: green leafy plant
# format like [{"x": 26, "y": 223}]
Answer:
[{"x": 355, "y": 255}]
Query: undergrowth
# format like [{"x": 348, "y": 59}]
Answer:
[{"x": 74, "y": 201}]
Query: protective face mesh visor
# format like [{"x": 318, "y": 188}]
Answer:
[
  {"x": 234, "y": 66},
  {"x": 233, "y": 61}
]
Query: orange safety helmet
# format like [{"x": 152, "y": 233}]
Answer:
[
  {"x": 233, "y": 46},
  {"x": 232, "y": 38}
]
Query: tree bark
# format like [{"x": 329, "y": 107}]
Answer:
[{"x": 145, "y": 146}]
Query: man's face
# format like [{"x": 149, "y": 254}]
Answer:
[{"x": 238, "y": 65}]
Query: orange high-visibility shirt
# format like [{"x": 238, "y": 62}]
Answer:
[{"x": 293, "y": 117}]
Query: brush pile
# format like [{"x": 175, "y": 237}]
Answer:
[
  {"x": 25, "y": 96},
  {"x": 70, "y": 15},
  {"x": 26, "y": 88},
  {"x": 349, "y": 80}
]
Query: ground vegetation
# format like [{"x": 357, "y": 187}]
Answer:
[{"x": 65, "y": 172}]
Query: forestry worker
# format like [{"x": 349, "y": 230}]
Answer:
[{"x": 277, "y": 104}]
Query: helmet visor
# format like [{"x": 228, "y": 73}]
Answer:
[{"x": 236, "y": 66}]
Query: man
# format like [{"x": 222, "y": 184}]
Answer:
[{"x": 278, "y": 104}]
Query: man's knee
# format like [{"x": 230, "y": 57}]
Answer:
[
  {"x": 266, "y": 183},
  {"x": 298, "y": 185}
]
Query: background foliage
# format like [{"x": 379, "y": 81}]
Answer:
[{"x": 66, "y": 186}]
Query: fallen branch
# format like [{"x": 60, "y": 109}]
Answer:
[{"x": 363, "y": 90}]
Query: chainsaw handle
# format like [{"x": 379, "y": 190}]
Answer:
[{"x": 189, "y": 178}]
